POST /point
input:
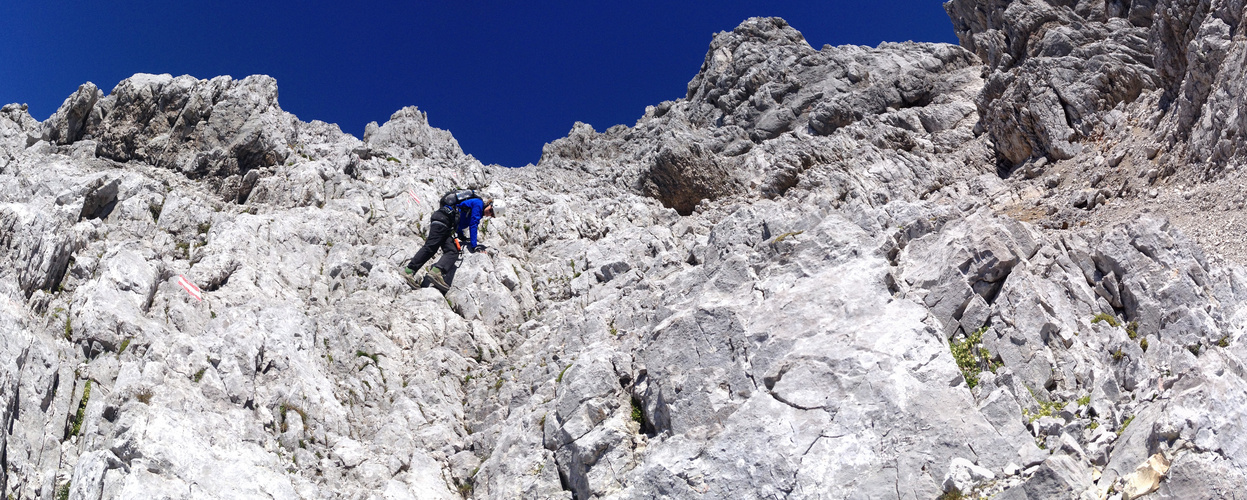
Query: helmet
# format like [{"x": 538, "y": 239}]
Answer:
[{"x": 498, "y": 207}]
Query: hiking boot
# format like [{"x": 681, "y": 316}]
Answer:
[
  {"x": 410, "y": 277},
  {"x": 435, "y": 275}
]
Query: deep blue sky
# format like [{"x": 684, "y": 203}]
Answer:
[{"x": 503, "y": 77}]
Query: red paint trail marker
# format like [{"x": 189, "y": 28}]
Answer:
[
  {"x": 413, "y": 196},
  {"x": 190, "y": 287}
]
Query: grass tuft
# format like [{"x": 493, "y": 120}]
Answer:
[
  {"x": 1107, "y": 318},
  {"x": 785, "y": 236},
  {"x": 82, "y": 410},
  {"x": 1124, "y": 423},
  {"x": 144, "y": 396},
  {"x": 638, "y": 415}
]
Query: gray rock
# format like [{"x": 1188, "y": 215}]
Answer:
[
  {"x": 1059, "y": 477},
  {"x": 964, "y": 476},
  {"x": 1054, "y": 71},
  {"x": 748, "y": 293}
]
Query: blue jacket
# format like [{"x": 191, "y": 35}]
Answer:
[{"x": 470, "y": 212}]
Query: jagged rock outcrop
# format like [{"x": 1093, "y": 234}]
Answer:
[
  {"x": 1055, "y": 67},
  {"x": 805, "y": 279},
  {"x": 1059, "y": 68},
  {"x": 766, "y": 107},
  {"x": 220, "y": 129},
  {"x": 408, "y": 130}
]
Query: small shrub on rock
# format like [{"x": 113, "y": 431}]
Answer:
[
  {"x": 1107, "y": 318},
  {"x": 969, "y": 357}
]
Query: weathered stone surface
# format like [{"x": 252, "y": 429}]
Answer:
[
  {"x": 755, "y": 291},
  {"x": 1055, "y": 67},
  {"x": 408, "y": 130}
]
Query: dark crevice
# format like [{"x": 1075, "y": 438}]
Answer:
[
  {"x": 4, "y": 456},
  {"x": 101, "y": 213},
  {"x": 1065, "y": 110},
  {"x": 770, "y": 382},
  {"x": 564, "y": 482},
  {"x": 794, "y": 405},
  {"x": 11, "y": 413},
  {"x": 47, "y": 398},
  {"x": 215, "y": 284}
]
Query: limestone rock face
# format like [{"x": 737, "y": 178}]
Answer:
[
  {"x": 810, "y": 277},
  {"x": 1055, "y": 67},
  {"x": 766, "y": 107},
  {"x": 1057, "y": 70},
  {"x": 15, "y": 124},
  {"x": 409, "y": 130},
  {"x": 222, "y": 128}
]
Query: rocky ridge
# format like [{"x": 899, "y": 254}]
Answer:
[{"x": 891, "y": 272}]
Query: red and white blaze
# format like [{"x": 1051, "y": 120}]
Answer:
[{"x": 190, "y": 287}]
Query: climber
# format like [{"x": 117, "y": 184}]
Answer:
[{"x": 460, "y": 210}]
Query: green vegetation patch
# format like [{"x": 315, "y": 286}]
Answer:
[
  {"x": 82, "y": 410},
  {"x": 1046, "y": 408},
  {"x": 1107, "y": 318},
  {"x": 1124, "y": 423},
  {"x": 559, "y": 380},
  {"x": 970, "y": 357}
]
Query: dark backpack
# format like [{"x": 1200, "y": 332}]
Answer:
[{"x": 454, "y": 198}]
